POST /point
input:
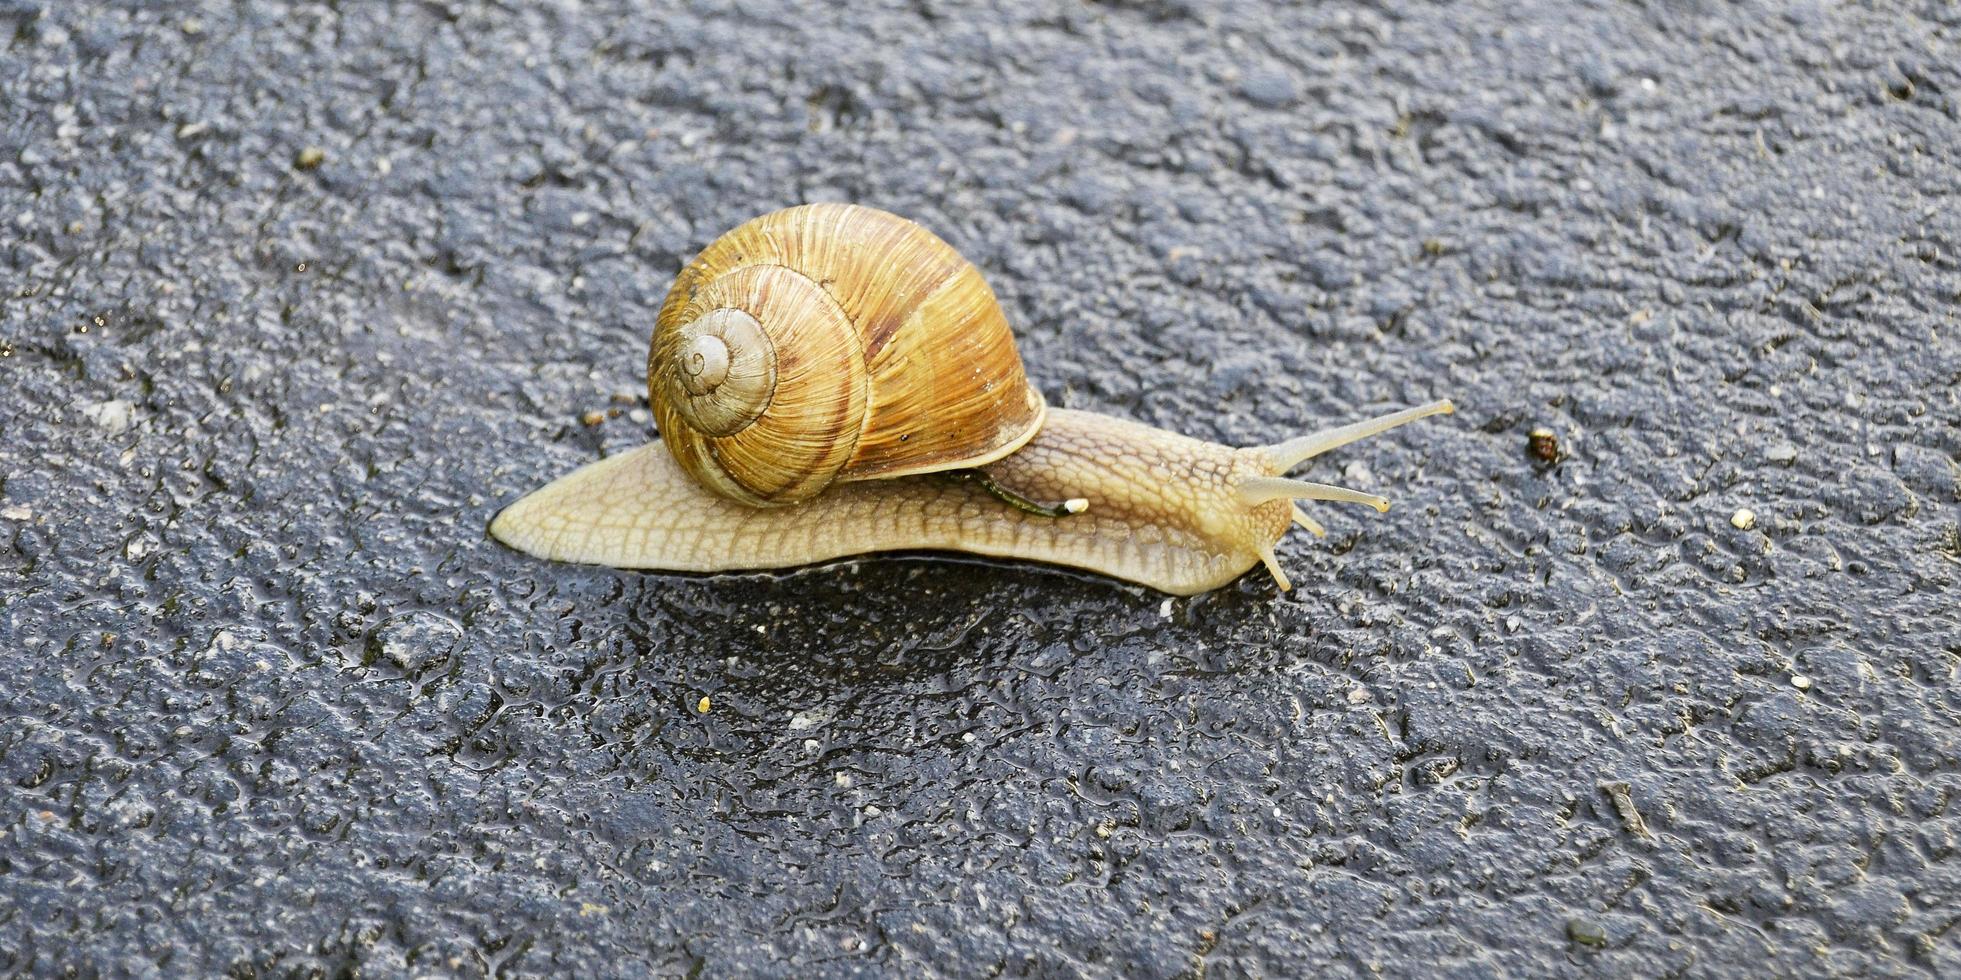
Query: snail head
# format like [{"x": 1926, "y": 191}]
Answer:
[{"x": 1277, "y": 459}]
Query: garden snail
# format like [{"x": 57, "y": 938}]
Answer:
[{"x": 815, "y": 370}]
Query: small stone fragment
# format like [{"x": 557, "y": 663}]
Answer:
[
  {"x": 703, "y": 705},
  {"x": 1586, "y": 932},
  {"x": 593, "y": 417},
  {"x": 1782, "y": 452},
  {"x": 1544, "y": 444},
  {"x": 1622, "y": 796},
  {"x": 1801, "y": 682},
  {"x": 1744, "y": 519},
  {"x": 310, "y": 158},
  {"x": 1270, "y": 88},
  {"x": 413, "y": 641},
  {"x": 115, "y": 415}
]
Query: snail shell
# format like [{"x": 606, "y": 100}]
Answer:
[{"x": 831, "y": 343}]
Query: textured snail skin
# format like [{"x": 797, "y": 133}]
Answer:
[{"x": 1166, "y": 511}]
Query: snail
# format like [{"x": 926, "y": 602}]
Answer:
[{"x": 833, "y": 380}]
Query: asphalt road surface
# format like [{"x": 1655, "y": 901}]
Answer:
[{"x": 297, "y": 295}]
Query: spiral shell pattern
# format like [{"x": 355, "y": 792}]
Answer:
[{"x": 833, "y": 342}]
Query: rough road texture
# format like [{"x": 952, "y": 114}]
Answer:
[{"x": 271, "y": 704}]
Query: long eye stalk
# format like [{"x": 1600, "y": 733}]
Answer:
[{"x": 1293, "y": 452}]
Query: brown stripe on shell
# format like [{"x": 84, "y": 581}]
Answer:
[{"x": 951, "y": 382}]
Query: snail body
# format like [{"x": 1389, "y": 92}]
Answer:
[
  {"x": 916, "y": 375},
  {"x": 1177, "y": 514}
]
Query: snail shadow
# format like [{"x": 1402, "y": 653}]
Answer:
[
  {"x": 874, "y": 626},
  {"x": 821, "y": 689},
  {"x": 869, "y": 629}
]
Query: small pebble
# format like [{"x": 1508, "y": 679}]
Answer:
[
  {"x": 593, "y": 417},
  {"x": 310, "y": 158},
  {"x": 412, "y": 641},
  {"x": 1270, "y": 88},
  {"x": 1744, "y": 519},
  {"x": 1782, "y": 452},
  {"x": 115, "y": 415},
  {"x": 1801, "y": 682},
  {"x": 703, "y": 705},
  {"x": 1586, "y": 932},
  {"x": 1544, "y": 444}
]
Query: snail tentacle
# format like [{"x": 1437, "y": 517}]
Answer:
[
  {"x": 1272, "y": 563},
  {"x": 1260, "y": 489},
  {"x": 1309, "y": 524},
  {"x": 1293, "y": 452}
]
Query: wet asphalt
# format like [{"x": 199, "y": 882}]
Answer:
[{"x": 296, "y": 295}]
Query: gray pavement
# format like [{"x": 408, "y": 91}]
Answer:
[{"x": 296, "y": 295}]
